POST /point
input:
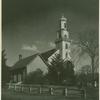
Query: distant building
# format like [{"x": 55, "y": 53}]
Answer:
[{"x": 29, "y": 64}]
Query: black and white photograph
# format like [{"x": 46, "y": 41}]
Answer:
[{"x": 50, "y": 50}]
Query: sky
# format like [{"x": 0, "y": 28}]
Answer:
[{"x": 30, "y": 26}]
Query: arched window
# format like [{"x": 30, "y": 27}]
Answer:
[
  {"x": 66, "y": 46},
  {"x": 65, "y": 25},
  {"x": 65, "y": 35},
  {"x": 66, "y": 55}
]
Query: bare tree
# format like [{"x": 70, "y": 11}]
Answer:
[
  {"x": 88, "y": 41},
  {"x": 5, "y": 69}
]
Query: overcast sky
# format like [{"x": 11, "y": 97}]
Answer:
[{"x": 31, "y": 25}]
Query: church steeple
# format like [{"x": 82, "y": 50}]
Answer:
[
  {"x": 63, "y": 41},
  {"x": 63, "y": 22}
]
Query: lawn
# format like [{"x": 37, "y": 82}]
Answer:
[{"x": 10, "y": 95}]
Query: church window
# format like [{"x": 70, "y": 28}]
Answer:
[
  {"x": 65, "y": 25},
  {"x": 66, "y": 54},
  {"x": 59, "y": 36},
  {"x": 65, "y": 36},
  {"x": 66, "y": 46},
  {"x": 15, "y": 78},
  {"x": 19, "y": 77}
]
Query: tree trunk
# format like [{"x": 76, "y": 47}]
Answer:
[{"x": 92, "y": 64}]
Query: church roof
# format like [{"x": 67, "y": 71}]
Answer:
[
  {"x": 25, "y": 61},
  {"x": 47, "y": 54}
]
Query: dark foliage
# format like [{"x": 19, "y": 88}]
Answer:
[
  {"x": 36, "y": 77},
  {"x": 60, "y": 72},
  {"x": 5, "y": 69},
  {"x": 68, "y": 73},
  {"x": 85, "y": 80}
]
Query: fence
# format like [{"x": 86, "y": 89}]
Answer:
[{"x": 47, "y": 90}]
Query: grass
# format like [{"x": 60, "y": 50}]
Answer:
[
  {"x": 92, "y": 94},
  {"x": 8, "y": 95}
]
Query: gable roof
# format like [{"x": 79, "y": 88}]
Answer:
[{"x": 25, "y": 61}]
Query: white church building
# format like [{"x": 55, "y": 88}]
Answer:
[{"x": 41, "y": 60}]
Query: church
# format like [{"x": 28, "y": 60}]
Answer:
[{"x": 24, "y": 66}]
